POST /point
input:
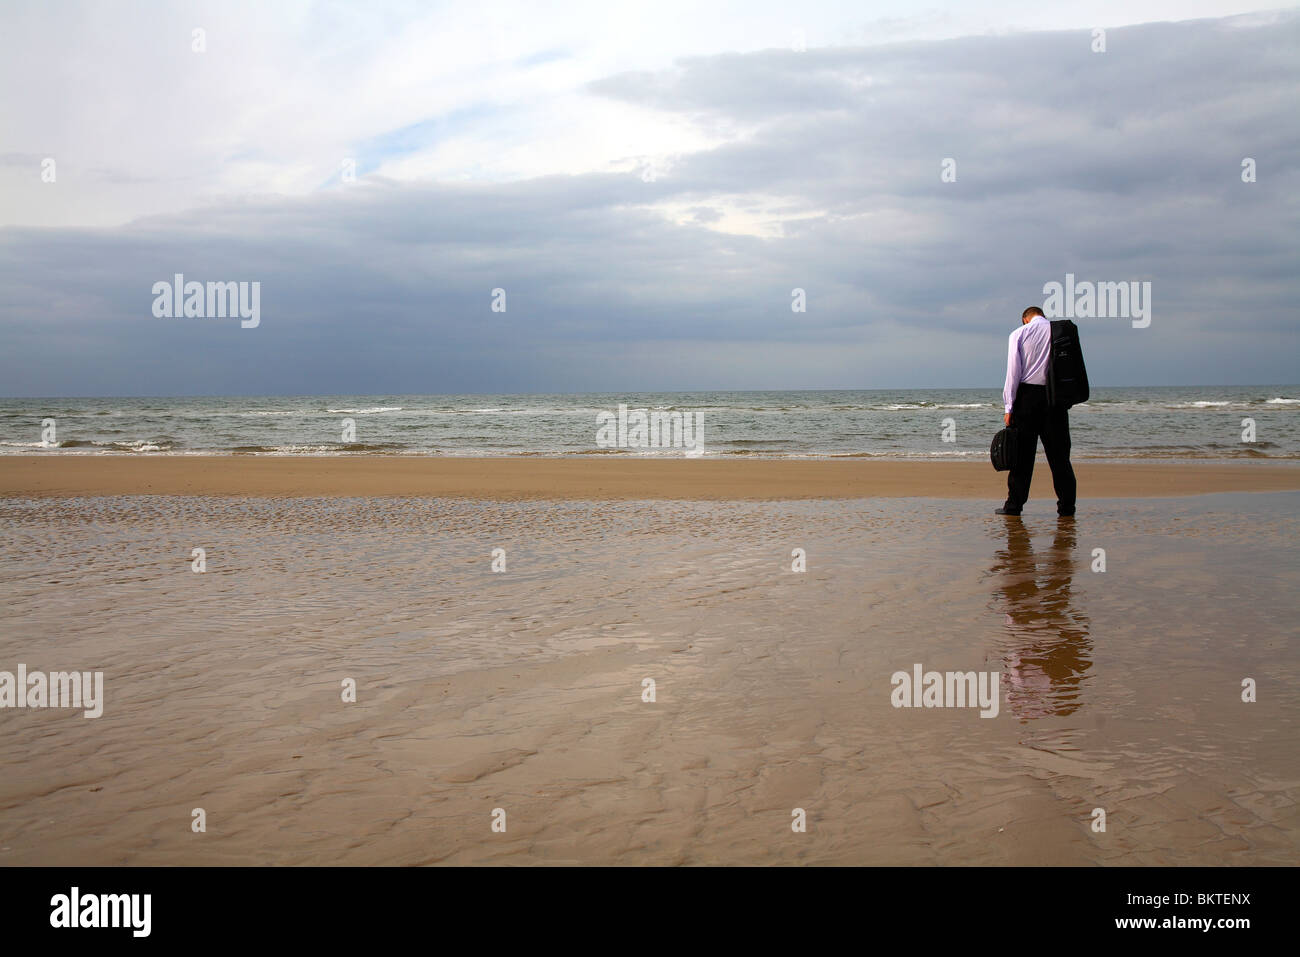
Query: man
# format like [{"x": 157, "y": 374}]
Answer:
[{"x": 1024, "y": 399}]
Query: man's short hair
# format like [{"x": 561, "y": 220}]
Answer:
[{"x": 1032, "y": 311}]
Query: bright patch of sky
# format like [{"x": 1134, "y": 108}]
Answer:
[{"x": 285, "y": 93}]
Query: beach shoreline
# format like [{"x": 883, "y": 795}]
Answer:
[{"x": 525, "y": 478}]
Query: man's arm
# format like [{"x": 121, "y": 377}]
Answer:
[{"x": 1014, "y": 371}]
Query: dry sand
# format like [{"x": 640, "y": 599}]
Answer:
[{"x": 506, "y": 479}]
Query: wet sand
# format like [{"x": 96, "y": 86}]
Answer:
[
  {"x": 522, "y": 478},
  {"x": 523, "y": 689}
]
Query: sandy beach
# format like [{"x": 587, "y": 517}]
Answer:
[
  {"x": 523, "y": 689},
  {"x": 605, "y": 479}
]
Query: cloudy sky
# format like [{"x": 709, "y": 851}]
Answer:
[{"x": 648, "y": 182}]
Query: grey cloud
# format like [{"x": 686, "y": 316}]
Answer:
[{"x": 1115, "y": 166}]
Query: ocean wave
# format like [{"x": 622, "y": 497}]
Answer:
[
  {"x": 1209, "y": 452},
  {"x": 72, "y": 445},
  {"x": 285, "y": 449},
  {"x": 374, "y": 410},
  {"x": 577, "y": 411},
  {"x": 921, "y": 406},
  {"x": 1236, "y": 446},
  {"x": 140, "y": 445},
  {"x": 908, "y": 454},
  {"x": 331, "y": 448}
]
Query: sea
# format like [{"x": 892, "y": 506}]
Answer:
[{"x": 1173, "y": 422}]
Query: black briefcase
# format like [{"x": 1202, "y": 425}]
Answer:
[{"x": 1003, "y": 449}]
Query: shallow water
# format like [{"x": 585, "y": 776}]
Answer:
[{"x": 522, "y": 690}]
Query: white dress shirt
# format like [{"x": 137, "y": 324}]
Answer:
[{"x": 1027, "y": 351}]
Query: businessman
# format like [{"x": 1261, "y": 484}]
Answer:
[{"x": 1024, "y": 400}]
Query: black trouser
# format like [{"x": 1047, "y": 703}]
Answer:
[{"x": 1034, "y": 419}]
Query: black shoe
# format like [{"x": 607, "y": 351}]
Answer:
[
  {"x": 1069, "y": 514},
  {"x": 1006, "y": 511}
]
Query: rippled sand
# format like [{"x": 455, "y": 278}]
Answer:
[{"x": 522, "y": 690}]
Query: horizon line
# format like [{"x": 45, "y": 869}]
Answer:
[{"x": 322, "y": 395}]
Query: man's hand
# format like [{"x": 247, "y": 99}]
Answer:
[{"x": 1007, "y": 418}]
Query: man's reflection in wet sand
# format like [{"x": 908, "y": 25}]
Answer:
[{"x": 1049, "y": 651}]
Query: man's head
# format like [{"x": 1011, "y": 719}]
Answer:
[{"x": 1028, "y": 314}]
